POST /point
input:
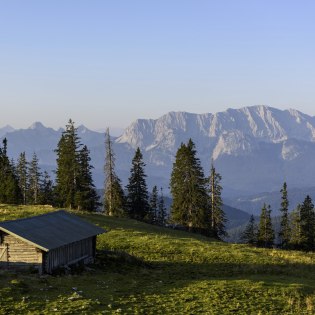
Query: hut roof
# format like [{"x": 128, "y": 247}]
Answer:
[{"x": 51, "y": 230}]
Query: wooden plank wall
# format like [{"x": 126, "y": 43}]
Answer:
[
  {"x": 20, "y": 253},
  {"x": 69, "y": 253}
]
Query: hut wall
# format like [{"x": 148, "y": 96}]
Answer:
[
  {"x": 19, "y": 253},
  {"x": 69, "y": 254}
]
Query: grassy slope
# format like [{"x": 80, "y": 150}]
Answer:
[{"x": 169, "y": 272}]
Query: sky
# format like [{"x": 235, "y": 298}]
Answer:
[{"x": 108, "y": 62}]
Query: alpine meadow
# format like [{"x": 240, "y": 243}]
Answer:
[{"x": 157, "y": 157}]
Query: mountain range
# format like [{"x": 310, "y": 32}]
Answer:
[{"x": 255, "y": 148}]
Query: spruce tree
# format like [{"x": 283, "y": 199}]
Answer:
[
  {"x": 118, "y": 199},
  {"x": 295, "y": 228},
  {"x": 189, "y": 190},
  {"x": 34, "y": 177},
  {"x": 162, "y": 214},
  {"x": 86, "y": 197},
  {"x": 109, "y": 175},
  {"x": 153, "y": 213},
  {"x": 22, "y": 174},
  {"x": 217, "y": 215},
  {"x": 9, "y": 185},
  {"x": 249, "y": 235},
  {"x": 307, "y": 216},
  {"x": 284, "y": 234},
  {"x": 137, "y": 198},
  {"x": 46, "y": 196},
  {"x": 67, "y": 166},
  {"x": 114, "y": 198},
  {"x": 266, "y": 233}
]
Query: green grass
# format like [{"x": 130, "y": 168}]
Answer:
[{"x": 152, "y": 270}]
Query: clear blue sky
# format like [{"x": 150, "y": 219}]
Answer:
[{"x": 109, "y": 62}]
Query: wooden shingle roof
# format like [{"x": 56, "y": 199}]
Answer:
[{"x": 51, "y": 230}]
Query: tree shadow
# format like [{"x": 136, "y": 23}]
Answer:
[
  {"x": 285, "y": 272},
  {"x": 265, "y": 287}
]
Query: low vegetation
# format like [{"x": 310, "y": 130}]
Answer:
[{"x": 145, "y": 269}]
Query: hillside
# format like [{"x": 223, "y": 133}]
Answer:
[
  {"x": 235, "y": 217},
  {"x": 152, "y": 270},
  {"x": 253, "y": 203}
]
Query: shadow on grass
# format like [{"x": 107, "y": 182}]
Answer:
[{"x": 181, "y": 272}]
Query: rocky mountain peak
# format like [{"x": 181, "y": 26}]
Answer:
[{"x": 37, "y": 125}]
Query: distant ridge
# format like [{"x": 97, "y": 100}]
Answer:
[
  {"x": 254, "y": 148},
  {"x": 6, "y": 129}
]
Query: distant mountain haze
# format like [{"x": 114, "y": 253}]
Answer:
[
  {"x": 4, "y": 130},
  {"x": 253, "y": 203},
  {"x": 255, "y": 149}
]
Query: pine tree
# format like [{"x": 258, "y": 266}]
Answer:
[
  {"x": 86, "y": 197},
  {"x": 284, "y": 234},
  {"x": 307, "y": 217},
  {"x": 114, "y": 198},
  {"x": 9, "y": 185},
  {"x": 249, "y": 235},
  {"x": 67, "y": 166},
  {"x": 153, "y": 213},
  {"x": 34, "y": 177},
  {"x": 217, "y": 215},
  {"x": 161, "y": 215},
  {"x": 137, "y": 198},
  {"x": 266, "y": 233},
  {"x": 295, "y": 227},
  {"x": 22, "y": 174},
  {"x": 189, "y": 190}
]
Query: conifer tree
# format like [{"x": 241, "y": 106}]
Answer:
[
  {"x": 295, "y": 228},
  {"x": 114, "y": 198},
  {"x": 67, "y": 166},
  {"x": 307, "y": 217},
  {"x": 284, "y": 234},
  {"x": 86, "y": 197},
  {"x": 189, "y": 190},
  {"x": 249, "y": 235},
  {"x": 109, "y": 175},
  {"x": 5, "y": 147},
  {"x": 137, "y": 198},
  {"x": 161, "y": 215},
  {"x": 22, "y": 174},
  {"x": 153, "y": 213},
  {"x": 9, "y": 185},
  {"x": 266, "y": 233},
  {"x": 34, "y": 177},
  {"x": 46, "y": 196},
  {"x": 217, "y": 215},
  {"x": 118, "y": 199}
]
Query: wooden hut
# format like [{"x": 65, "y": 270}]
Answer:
[{"x": 48, "y": 241}]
